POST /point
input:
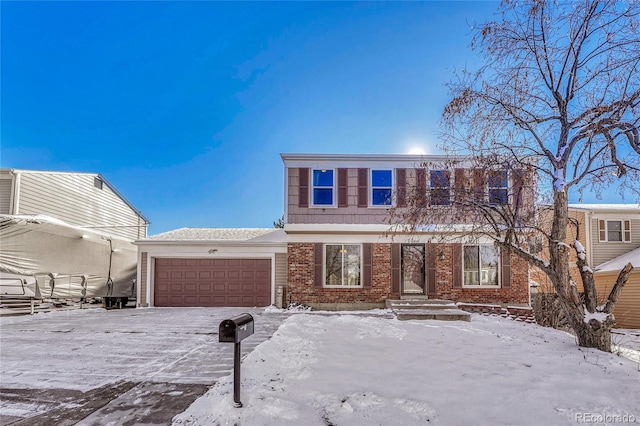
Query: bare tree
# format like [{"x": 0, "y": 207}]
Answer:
[{"x": 558, "y": 100}]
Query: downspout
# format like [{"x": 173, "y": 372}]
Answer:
[
  {"x": 588, "y": 238},
  {"x": 286, "y": 193},
  {"x": 15, "y": 205}
]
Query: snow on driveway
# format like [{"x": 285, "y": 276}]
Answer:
[
  {"x": 77, "y": 356},
  {"x": 355, "y": 370}
]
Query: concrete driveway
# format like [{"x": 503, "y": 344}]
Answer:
[{"x": 117, "y": 367}]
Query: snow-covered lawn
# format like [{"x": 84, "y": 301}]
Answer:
[{"x": 368, "y": 370}]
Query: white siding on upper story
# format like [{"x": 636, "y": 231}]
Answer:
[
  {"x": 605, "y": 251},
  {"x": 75, "y": 199}
]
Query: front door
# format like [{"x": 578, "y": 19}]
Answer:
[{"x": 413, "y": 282}]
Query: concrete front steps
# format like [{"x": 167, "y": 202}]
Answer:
[{"x": 427, "y": 309}]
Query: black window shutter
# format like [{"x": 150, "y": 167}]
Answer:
[
  {"x": 401, "y": 187},
  {"x": 479, "y": 183},
  {"x": 505, "y": 260},
  {"x": 303, "y": 187},
  {"x": 518, "y": 184},
  {"x": 363, "y": 187},
  {"x": 367, "y": 264},
  {"x": 342, "y": 188},
  {"x": 430, "y": 258},
  {"x": 395, "y": 268},
  {"x": 460, "y": 185},
  {"x": 421, "y": 187},
  {"x": 457, "y": 265},
  {"x": 318, "y": 267}
]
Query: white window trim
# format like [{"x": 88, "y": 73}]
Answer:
[
  {"x": 371, "y": 188},
  {"x": 606, "y": 231},
  {"x": 324, "y": 266},
  {"x": 334, "y": 190},
  {"x": 481, "y": 286}
]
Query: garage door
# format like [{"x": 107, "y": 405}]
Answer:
[{"x": 212, "y": 282}]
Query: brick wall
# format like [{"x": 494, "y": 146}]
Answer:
[
  {"x": 301, "y": 288},
  {"x": 300, "y": 283}
]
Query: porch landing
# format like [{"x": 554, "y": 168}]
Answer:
[{"x": 427, "y": 309}]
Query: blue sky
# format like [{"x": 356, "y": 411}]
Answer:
[{"x": 185, "y": 106}]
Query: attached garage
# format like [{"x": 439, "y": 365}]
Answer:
[
  {"x": 212, "y": 282},
  {"x": 211, "y": 267}
]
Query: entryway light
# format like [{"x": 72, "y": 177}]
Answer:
[{"x": 441, "y": 254}]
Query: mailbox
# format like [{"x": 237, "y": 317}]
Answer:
[{"x": 236, "y": 329}]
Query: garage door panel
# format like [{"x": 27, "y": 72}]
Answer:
[{"x": 212, "y": 282}]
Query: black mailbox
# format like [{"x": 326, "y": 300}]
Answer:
[{"x": 236, "y": 329}]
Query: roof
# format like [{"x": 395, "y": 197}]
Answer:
[
  {"x": 220, "y": 234},
  {"x": 616, "y": 265},
  {"x": 96, "y": 175},
  {"x": 607, "y": 207}
]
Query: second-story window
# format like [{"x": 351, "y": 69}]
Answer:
[
  {"x": 498, "y": 183},
  {"x": 381, "y": 187},
  {"x": 615, "y": 230},
  {"x": 440, "y": 186},
  {"x": 323, "y": 183}
]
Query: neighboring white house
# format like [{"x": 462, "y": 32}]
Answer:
[{"x": 66, "y": 235}]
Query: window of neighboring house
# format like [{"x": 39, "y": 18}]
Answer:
[
  {"x": 480, "y": 265},
  {"x": 323, "y": 183},
  {"x": 381, "y": 187},
  {"x": 615, "y": 230},
  {"x": 440, "y": 184},
  {"x": 342, "y": 265},
  {"x": 498, "y": 183}
]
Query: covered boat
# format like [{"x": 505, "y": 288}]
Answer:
[{"x": 43, "y": 257}]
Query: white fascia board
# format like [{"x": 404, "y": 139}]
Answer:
[
  {"x": 607, "y": 208},
  {"x": 212, "y": 251},
  {"x": 230, "y": 243},
  {"x": 376, "y": 233},
  {"x": 323, "y": 228},
  {"x": 382, "y": 161},
  {"x": 340, "y": 228}
]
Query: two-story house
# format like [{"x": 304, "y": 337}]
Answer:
[
  {"x": 336, "y": 250},
  {"x": 66, "y": 235},
  {"x": 342, "y": 255}
]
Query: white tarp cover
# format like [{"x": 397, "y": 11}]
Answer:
[{"x": 64, "y": 259}]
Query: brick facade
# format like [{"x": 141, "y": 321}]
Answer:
[{"x": 301, "y": 286}]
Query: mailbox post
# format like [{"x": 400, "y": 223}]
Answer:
[{"x": 235, "y": 330}]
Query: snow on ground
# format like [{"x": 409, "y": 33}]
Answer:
[{"x": 370, "y": 370}]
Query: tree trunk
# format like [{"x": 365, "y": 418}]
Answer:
[{"x": 594, "y": 334}]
